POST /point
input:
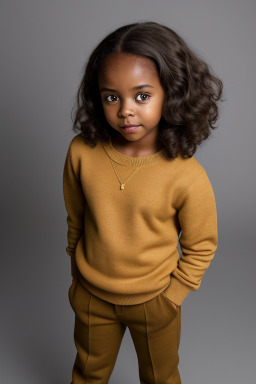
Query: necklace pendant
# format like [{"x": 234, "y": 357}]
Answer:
[{"x": 122, "y": 187}]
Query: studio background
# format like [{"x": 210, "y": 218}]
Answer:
[{"x": 45, "y": 45}]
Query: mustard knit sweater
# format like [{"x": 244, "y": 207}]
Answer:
[{"x": 123, "y": 244}]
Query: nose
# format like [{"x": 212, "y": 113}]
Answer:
[{"x": 126, "y": 109}]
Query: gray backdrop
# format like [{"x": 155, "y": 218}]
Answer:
[{"x": 44, "y": 47}]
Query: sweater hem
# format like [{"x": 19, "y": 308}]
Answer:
[{"x": 116, "y": 298}]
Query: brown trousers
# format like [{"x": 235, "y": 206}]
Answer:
[{"x": 155, "y": 328}]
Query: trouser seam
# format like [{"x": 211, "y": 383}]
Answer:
[
  {"x": 89, "y": 312},
  {"x": 148, "y": 342}
]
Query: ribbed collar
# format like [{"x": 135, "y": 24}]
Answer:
[{"x": 129, "y": 161}]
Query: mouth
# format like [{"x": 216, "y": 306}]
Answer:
[{"x": 130, "y": 127}]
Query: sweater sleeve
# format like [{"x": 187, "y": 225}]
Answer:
[
  {"x": 199, "y": 237},
  {"x": 75, "y": 205}
]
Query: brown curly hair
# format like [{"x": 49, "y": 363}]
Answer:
[{"x": 191, "y": 90}]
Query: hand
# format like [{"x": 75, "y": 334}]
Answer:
[{"x": 173, "y": 304}]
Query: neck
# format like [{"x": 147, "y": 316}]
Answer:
[{"x": 134, "y": 148}]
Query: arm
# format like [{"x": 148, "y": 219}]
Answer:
[
  {"x": 75, "y": 204},
  {"x": 199, "y": 238}
]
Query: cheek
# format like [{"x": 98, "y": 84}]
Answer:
[
  {"x": 159, "y": 108},
  {"x": 106, "y": 110},
  {"x": 109, "y": 114},
  {"x": 153, "y": 111}
]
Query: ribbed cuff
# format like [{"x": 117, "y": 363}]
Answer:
[
  {"x": 176, "y": 291},
  {"x": 74, "y": 269}
]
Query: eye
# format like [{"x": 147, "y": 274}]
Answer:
[
  {"x": 110, "y": 98},
  {"x": 144, "y": 96}
]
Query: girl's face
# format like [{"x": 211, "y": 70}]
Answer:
[{"x": 131, "y": 93}]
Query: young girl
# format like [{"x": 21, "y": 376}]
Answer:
[{"x": 131, "y": 187}]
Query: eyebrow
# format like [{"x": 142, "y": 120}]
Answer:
[{"x": 138, "y": 87}]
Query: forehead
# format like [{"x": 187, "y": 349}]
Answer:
[{"x": 127, "y": 67}]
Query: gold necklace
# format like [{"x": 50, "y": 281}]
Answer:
[{"x": 123, "y": 184}]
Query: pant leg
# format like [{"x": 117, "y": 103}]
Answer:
[
  {"x": 97, "y": 335},
  {"x": 155, "y": 330}
]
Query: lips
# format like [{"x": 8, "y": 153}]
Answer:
[{"x": 129, "y": 126}]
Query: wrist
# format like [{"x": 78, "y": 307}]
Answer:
[{"x": 172, "y": 302}]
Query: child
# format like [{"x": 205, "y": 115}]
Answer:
[{"x": 131, "y": 187}]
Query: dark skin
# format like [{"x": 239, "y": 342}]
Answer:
[
  {"x": 122, "y": 104},
  {"x": 118, "y": 77}
]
